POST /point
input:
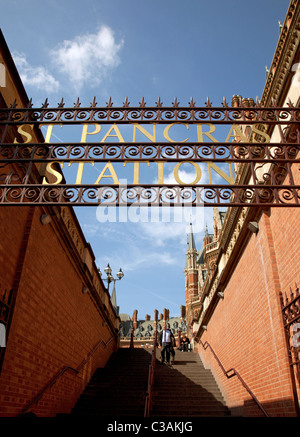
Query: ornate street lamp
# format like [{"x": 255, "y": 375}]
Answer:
[{"x": 110, "y": 279}]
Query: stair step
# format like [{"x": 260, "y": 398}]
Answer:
[
  {"x": 119, "y": 389},
  {"x": 185, "y": 409},
  {"x": 186, "y": 389},
  {"x": 174, "y": 402}
]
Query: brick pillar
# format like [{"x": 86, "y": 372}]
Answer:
[
  {"x": 134, "y": 319},
  {"x": 165, "y": 318},
  {"x": 179, "y": 337},
  {"x": 155, "y": 319}
]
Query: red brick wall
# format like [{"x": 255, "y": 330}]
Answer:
[
  {"x": 285, "y": 225},
  {"x": 246, "y": 329},
  {"x": 54, "y": 324}
]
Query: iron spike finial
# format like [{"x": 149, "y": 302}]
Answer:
[
  {"x": 126, "y": 103},
  {"x": 142, "y": 103},
  {"x": 45, "y": 104},
  {"x": 30, "y": 104},
  {"x": 158, "y": 103},
  {"x": 109, "y": 103},
  {"x": 14, "y": 104},
  {"x": 62, "y": 103},
  {"x": 94, "y": 103},
  {"x": 224, "y": 103},
  {"x": 175, "y": 103},
  {"x": 192, "y": 103},
  {"x": 208, "y": 103},
  {"x": 77, "y": 103}
]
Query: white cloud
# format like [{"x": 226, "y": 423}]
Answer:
[
  {"x": 174, "y": 225},
  {"x": 137, "y": 258},
  {"x": 38, "y": 77},
  {"x": 187, "y": 174},
  {"x": 184, "y": 176},
  {"x": 88, "y": 58}
]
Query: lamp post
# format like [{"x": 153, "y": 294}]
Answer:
[{"x": 110, "y": 279}]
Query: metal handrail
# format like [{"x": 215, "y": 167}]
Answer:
[
  {"x": 233, "y": 372},
  {"x": 55, "y": 378},
  {"x": 148, "y": 400}
]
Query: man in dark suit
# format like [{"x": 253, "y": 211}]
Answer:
[{"x": 167, "y": 341}]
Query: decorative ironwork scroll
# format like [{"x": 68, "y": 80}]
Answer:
[
  {"x": 150, "y": 195},
  {"x": 23, "y": 161},
  {"x": 175, "y": 152},
  {"x": 154, "y": 114}
]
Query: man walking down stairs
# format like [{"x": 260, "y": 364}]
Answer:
[{"x": 181, "y": 390}]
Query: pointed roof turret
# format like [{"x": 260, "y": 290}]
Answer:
[
  {"x": 191, "y": 240},
  {"x": 191, "y": 246}
]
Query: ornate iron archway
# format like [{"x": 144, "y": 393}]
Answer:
[{"x": 25, "y": 161}]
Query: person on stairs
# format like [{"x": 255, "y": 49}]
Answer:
[
  {"x": 185, "y": 344},
  {"x": 166, "y": 341}
]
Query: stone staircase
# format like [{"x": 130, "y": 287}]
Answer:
[
  {"x": 186, "y": 389},
  {"x": 118, "y": 389}
]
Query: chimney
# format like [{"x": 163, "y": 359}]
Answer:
[
  {"x": 155, "y": 319},
  {"x": 165, "y": 318},
  {"x": 183, "y": 311},
  {"x": 134, "y": 319}
]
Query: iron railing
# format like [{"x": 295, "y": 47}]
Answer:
[
  {"x": 231, "y": 373},
  {"x": 148, "y": 401},
  {"x": 150, "y": 195},
  {"x": 221, "y": 152},
  {"x": 190, "y": 114},
  {"x": 270, "y": 164},
  {"x": 61, "y": 372}
]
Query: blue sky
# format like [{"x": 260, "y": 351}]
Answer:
[{"x": 135, "y": 49}]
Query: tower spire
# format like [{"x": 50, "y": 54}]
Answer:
[
  {"x": 114, "y": 298},
  {"x": 191, "y": 240}
]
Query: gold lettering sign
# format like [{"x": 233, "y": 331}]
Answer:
[
  {"x": 203, "y": 132},
  {"x": 109, "y": 172}
]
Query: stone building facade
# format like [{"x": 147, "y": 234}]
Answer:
[{"x": 142, "y": 331}]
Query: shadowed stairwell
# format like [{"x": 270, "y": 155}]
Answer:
[
  {"x": 186, "y": 389},
  {"x": 119, "y": 389}
]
